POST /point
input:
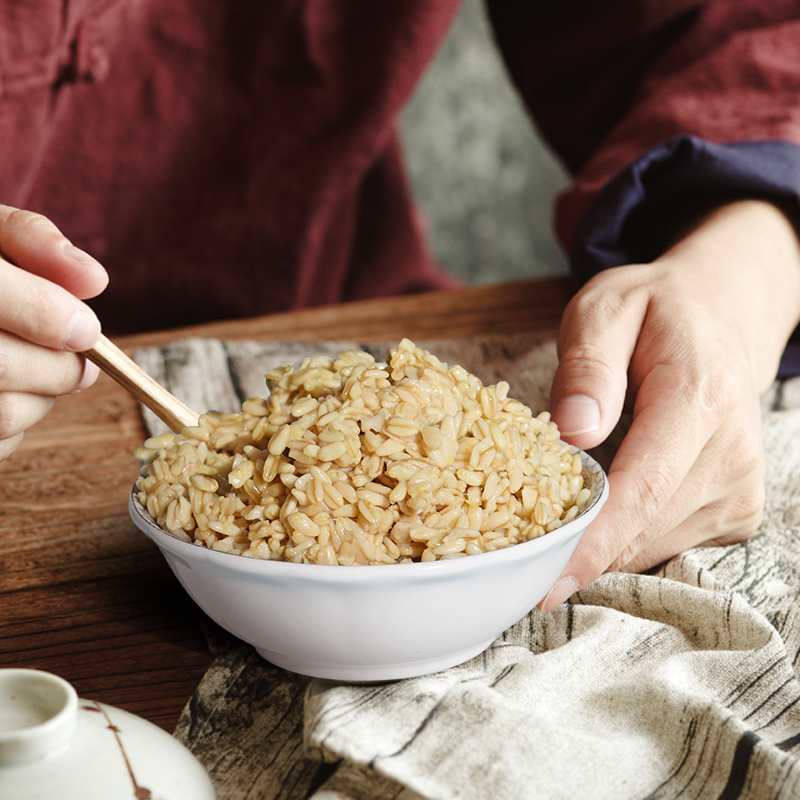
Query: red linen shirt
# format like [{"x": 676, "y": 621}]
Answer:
[
  {"x": 220, "y": 159},
  {"x": 228, "y": 159}
]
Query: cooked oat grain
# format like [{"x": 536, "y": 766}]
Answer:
[{"x": 349, "y": 461}]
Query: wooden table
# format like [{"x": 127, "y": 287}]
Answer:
[{"x": 82, "y": 593}]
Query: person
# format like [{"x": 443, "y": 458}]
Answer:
[{"x": 233, "y": 159}]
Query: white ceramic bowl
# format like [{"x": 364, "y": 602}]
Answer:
[{"x": 372, "y": 623}]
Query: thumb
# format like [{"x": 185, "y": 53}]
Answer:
[{"x": 595, "y": 347}]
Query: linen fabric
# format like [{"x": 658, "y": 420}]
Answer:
[
  {"x": 609, "y": 82},
  {"x": 228, "y": 159},
  {"x": 678, "y": 683},
  {"x": 220, "y": 159}
]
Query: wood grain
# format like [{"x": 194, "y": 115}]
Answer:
[
  {"x": 497, "y": 308},
  {"x": 82, "y": 593}
]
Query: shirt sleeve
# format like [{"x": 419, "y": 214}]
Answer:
[
  {"x": 651, "y": 104},
  {"x": 635, "y": 216},
  {"x": 658, "y": 110}
]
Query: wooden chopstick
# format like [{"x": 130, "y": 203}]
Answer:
[{"x": 132, "y": 377}]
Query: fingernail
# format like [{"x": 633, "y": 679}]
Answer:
[
  {"x": 84, "y": 328},
  {"x": 563, "y": 588},
  {"x": 576, "y": 414},
  {"x": 90, "y": 373},
  {"x": 78, "y": 256}
]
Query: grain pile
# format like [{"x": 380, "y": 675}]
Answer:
[{"x": 354, "y": 462}]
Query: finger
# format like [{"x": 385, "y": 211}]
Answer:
[
  {"x": 719, "y": 524},
  {"x": 9, "y": 446},
  {"x": 34, "y": 243},
  {"x": 40, "y": 311},
  {"x": 19, "y": 411},
  {"x": 720, "y": 501},
  {"x": 597, "y": 338},
  {"x": 38, "y": 370},
  {"x": 664, "y": 441}
]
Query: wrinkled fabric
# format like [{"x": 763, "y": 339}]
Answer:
[
  {"x": 679, "y": 683},
  {"x": 235, "y": 159},
  {"x": 634, "y": 218},
  {"x": 607, "y": 82},
  {"x": 660, "y": 110},
  {"x": 220, "y": 159}
]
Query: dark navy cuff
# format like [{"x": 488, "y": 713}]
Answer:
[
  {"x": 640, "y": 213},
  {"x": 635, "y": 217},
  {"x": 790, "y": 362}
]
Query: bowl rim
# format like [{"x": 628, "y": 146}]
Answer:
[{"x": 149, "y": 527}]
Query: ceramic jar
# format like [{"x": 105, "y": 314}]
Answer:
[{"x": 57, "y": 746}]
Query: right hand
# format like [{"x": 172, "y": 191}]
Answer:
[
  {"x": 43, "y": 323},
  {"x": 688, "y": 343}
]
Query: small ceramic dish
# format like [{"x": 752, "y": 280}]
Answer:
[
  {"x": 54, "y": 744},
  {"x": 373, "y": 623}
]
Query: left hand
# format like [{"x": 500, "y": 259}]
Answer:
[{"x": 687, "y": 343}]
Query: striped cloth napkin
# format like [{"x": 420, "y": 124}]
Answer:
[{"x": 678, "y": 683}]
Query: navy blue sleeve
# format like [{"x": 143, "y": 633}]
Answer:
[{"x": 639, "y": 213}]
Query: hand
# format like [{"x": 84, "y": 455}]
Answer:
[
  {"x": 687, "y": 344},
  {"x": 43, "y": 323}
]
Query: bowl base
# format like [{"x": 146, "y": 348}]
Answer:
[{"x": 373, "y": 673}]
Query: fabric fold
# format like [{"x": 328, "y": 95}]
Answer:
[
  {"x": 637, "y": 675},
  {"x": 681, "y": 682}
]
